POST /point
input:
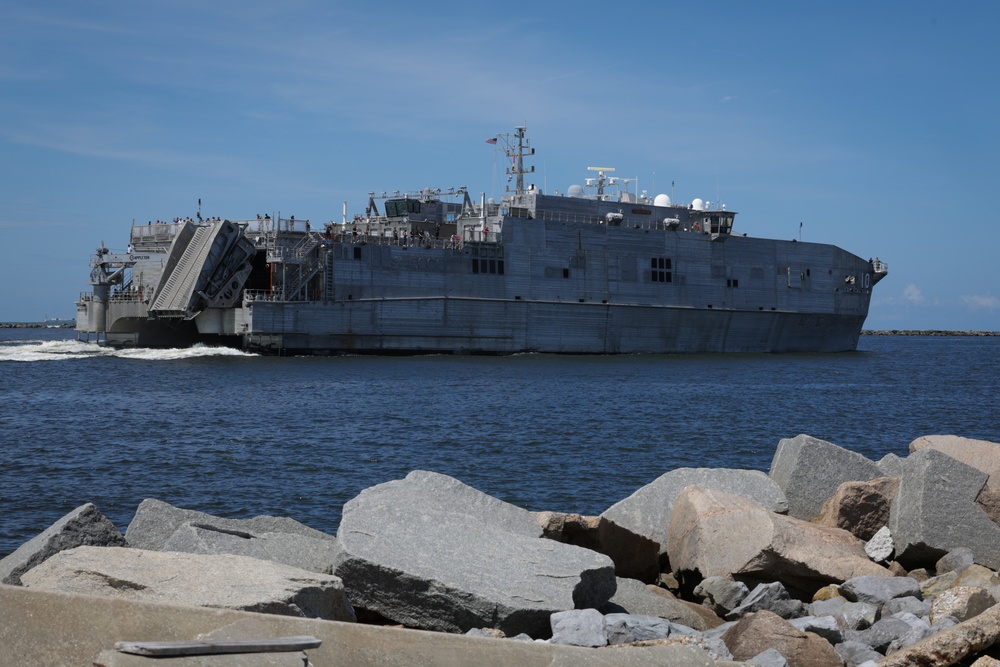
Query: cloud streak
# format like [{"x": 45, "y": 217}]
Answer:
[{"x": 981, "y": 301}]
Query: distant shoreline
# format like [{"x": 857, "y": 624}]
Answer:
[
  {"x": 927, "y": 332},
  {"x": 876, "y": 332}
]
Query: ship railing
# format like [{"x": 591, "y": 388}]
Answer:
[
  {"x": 562, "y": 216},
  {"x": 251, "y": 295},
  {"x": 879, "y": 266},
  {"x": 266, "y": 224},
  {"x": 130, "y": 292},
  {"x": 293, "y": 253},
  {"x": 582, "y": 218},
  {"x": 154, "y": 234},
  {"x": 405, "y": 241}
]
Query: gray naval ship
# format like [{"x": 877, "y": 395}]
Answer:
[{"x": 597, "y": 270}]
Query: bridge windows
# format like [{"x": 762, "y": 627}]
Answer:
[
  {"x": 719, "y": 223},
  {"x": 660, "y": 270},
  {"x": 487, "y": 260},
  {"x": 400, "y": 207}
]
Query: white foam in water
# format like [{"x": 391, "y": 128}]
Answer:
[
  {"x": 169, "y": 354},
  {"x": 60, "y": 350}
]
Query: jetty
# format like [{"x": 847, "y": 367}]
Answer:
[{"x": 830, "y": 558}]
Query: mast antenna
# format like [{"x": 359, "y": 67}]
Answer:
[{"x": 517, "y": 147}]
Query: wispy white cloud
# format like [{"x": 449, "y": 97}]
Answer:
[
  {"x": 912, "y": 295},
  {"x": 980, "y": 301},
  {"x": 55, "y": 20}
]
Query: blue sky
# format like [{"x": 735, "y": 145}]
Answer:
[{"x": 873, "y": 124}]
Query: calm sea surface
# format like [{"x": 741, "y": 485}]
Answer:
[{"x": 237, "y": 436}]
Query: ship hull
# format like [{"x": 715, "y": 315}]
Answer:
[{"x": 481, "y": 326}]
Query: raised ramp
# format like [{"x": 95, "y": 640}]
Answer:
[{"x": 173, "y": 296}]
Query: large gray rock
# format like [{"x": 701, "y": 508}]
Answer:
[
  {"x": 227, "y": 582},
  {"x": 159, "y": 526},
  {"x": 955, "y": 560},
  {"x": 636, "y": 598},
  {"x": 920, "y": 627},
  {"x": 628, "y": 628},
  {"x": 824, "y": 626},
  {"x": 83, "y": 526},
  {"x": 430, "y": 552},
  {"x": 647, "y": 512},
  {"x": 578, "y": 627},
  {"x": 909, "y": 604},
  {"x": 155, "y": 522},
  {"x": 809, "y": 470},
  {"x": 881, "y": 633},
  {"x": 719, "y": 534},
  {"x": 879, "y": 590},
  {"x": 307, "y": 553},
  {"x": 891, "y": 465},
  {"x": 857, "y": 653},
  {"x": 772, "y": 597},
  {"x": 768, "y": 658},
  {"x": 721, "y": 595},
  {"x": 935, "y": 511},
  {"x": 857, "y": 615}
]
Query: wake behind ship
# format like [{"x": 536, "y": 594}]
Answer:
[{"x": 601, "y": 272}]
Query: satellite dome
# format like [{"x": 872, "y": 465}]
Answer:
[
  {"x": 698, "y": 205},
  {"x": 575, "y": 191},
  {"x": 661, "y": 200}
]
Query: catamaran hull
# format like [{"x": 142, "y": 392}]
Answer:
[{"x": 480, "y": 326}]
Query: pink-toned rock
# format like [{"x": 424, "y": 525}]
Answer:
[
  {"x": 989, "y": 500},
  {"x": 708, "y": 619},
  {"x": 951, "y": 646},
  {"x": 977, "y": 575},
  {"x": 757, "y": 632},
  {"x": 860, "y": 507},
  {"x": 719, "y": 534},
  {"x": 573, "y": 529},
  {"x": 962, "y": 602}
]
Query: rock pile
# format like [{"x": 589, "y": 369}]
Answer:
[{"x": 830, "y": 559}]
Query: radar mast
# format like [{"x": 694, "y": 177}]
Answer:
[{"x": 517, "y": 146}]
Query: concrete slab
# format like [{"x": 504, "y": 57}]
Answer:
[{"x": 51, "y": 629}]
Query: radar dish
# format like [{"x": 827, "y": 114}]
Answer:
[
  {"x": 575, "y": 191},
  {"x": 698, "y": 205},
  {"x": 661, "y": 200}
]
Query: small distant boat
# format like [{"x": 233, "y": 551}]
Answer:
[{"x": 597, "y": 270}]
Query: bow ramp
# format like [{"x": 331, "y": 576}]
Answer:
[{"x": 206, "y": 267}]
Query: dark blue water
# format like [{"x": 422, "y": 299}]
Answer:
[{"x": 239, "y": 436}]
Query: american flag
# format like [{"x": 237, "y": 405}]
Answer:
[{"x": 491, "y": 140}]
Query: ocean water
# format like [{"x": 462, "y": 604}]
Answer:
[{"x": 238, "y": 435}]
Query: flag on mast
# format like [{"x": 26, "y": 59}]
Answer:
[{"x": 492, "y": 140}]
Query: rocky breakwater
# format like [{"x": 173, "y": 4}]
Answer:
[{"x": 829, "y": 559}]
